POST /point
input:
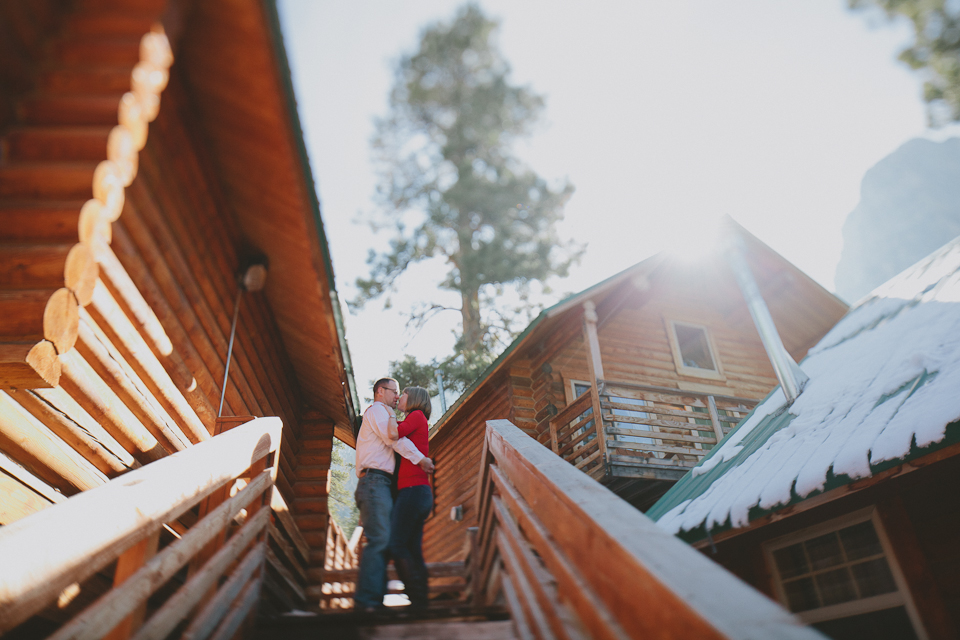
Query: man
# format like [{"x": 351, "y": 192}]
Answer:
[{"x": 376, "y": 442}]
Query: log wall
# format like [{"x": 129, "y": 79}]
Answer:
[
  {"x": 921, "y": 521},
  {"x": 533, "y": 386},
  {"x": 118, "y": 265},
  {"x": 456, "y": 453}
]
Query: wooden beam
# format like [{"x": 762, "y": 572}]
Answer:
[
  {"x": 75, "y": 435},
  {"x": 18, "y": 500},
  {"x": 104, "y": 358},
  {"x": 99, "y": 400},
  {"x": 14, "y": 470},
  {"x": 30, "y": 443},
  {"x": 108, "y": 315}
]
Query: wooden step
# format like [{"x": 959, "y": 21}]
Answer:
[
  {"x": 86, "y": 80},
  {"x": 456, "y": 630},
  {"x": 40, "y": 221},
  {"x": 318, "y": 575},
  {"x": 69, "y": 109},
  {"x": 57, "y": 144},
  {"x": 110, "y": 23},
  {"x": 47, "y": 180},
  {"x": 122, "y": 50}
]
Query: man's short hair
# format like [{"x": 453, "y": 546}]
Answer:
[{"x": 382, "y": 382}]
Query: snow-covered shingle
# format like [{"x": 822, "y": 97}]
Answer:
[{"x": 886, "y": 378}]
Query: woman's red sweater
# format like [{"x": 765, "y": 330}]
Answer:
[{"x": 415, "y": 428}]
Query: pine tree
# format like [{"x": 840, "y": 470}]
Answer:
[
  {"x": 451, "y": 188},
  {"x": 935, "y": 50}
]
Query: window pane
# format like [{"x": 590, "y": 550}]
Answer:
[
  {"x": 873, "y": 577},
  {"x": 694, "y": 349},
  {"x": 888, "y": 624},
  {"x": 860, "y": 541},
  {"x": 801, "y": 595},
  {"x": 791, "y": 561},
  {"x": 824, "y": 551},
  {"x": 836, "y": 586}
]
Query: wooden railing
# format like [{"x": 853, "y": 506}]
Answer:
[
  {"x": 341, "y": 556},
  {"x": 642, "y": 426},
  {"x": 572, "y": 560},
  {"x": 168, "y": 532}
]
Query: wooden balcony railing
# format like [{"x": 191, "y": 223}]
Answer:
[
  {"x": 642, "y": 426},
  {"x": 143, "y": 529},
  {"x": 572, "y": 560}
]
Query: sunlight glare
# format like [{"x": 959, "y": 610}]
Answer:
[{"x": 694, "y": 240}]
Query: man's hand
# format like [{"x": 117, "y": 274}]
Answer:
[{"x": 427, "y": 465}]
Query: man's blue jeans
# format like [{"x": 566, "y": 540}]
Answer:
[{"x": 375, "y": 503}]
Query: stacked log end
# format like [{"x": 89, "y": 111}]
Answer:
[{"x": 44, "y": 280}]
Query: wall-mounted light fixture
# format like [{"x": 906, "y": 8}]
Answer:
[{"x": 252, "y": 278}]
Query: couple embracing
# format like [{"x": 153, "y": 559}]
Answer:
[{"x": 393, "y": 528}]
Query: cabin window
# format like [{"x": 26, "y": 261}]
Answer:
[
  {"x": 578, "y": 388},
  {"x": 841, "y": 578},
  {"x": 693, "y": 351}
]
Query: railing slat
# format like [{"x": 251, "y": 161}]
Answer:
[
  {"x": 594, "y": 613},
  {"x": 658, "y": 435},
  {"x": 683, "y": 594},
  {"x": 642, "y": 446},
  {"x": 561, "y": 620},
  {"x": 216, "y": 608},
  {"x": 129, "y": 562},
  {"x": 113, "y": 606},
  {"x": 176, "y": 608},
  {"x": 239, "y": 610},
  {"x": 520, "y": 624},
  {"x": 49, "y": 550}
]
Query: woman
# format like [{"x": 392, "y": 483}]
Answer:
[{"x": 414, "y": 500}]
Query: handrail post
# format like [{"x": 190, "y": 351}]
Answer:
[
  {"x": 553, "y": 435},
  {"x": 715, "y": 418},
  {"x": 591, "y": 340}
]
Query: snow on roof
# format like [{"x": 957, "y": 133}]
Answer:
[{"x": 883, "y": 384}]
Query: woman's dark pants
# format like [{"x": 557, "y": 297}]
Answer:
[{"x": 410, "y": 510}]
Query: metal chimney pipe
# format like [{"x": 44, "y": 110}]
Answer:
[{"x": 791, "y": 376}]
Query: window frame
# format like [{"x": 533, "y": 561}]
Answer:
[
  {"x": 570, "y": 388},
  {"x": 684, "y": 370},
  {"x": 901, "y": 597}
]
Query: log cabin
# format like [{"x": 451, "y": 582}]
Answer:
[
  {"x": 667, "y": 354},
  {"x": 173, "y": 370},
  {"x": 842, "y": 505},
  {"x": 137, "y": 180}
]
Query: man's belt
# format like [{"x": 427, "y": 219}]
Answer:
[{"x": 379, "y": 472}]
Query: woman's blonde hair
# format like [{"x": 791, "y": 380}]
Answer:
[{"x": 418, "y": 398}]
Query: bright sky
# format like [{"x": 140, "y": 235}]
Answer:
[{"x": 663, "y": 115}]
